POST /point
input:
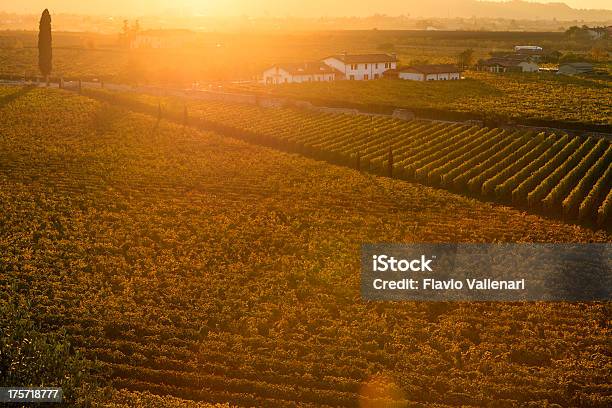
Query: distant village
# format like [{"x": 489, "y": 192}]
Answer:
[
  {"x": 364, "y": 67},
  {"x": 374, "y": 66}
]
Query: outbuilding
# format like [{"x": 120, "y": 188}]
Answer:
[
  {"x": 508, "y": 64},
  {"x": 440, "y": 72},
  {"x": 575, "y": 68}
]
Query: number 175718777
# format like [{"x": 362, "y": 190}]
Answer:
[{"x": 30, "y": 394}]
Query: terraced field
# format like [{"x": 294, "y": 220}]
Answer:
[
  {"x": 557, "y": 175},
  {"x": 206, "y": 268}
]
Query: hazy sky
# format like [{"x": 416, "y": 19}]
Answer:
[{"x": 240, "y": 7}]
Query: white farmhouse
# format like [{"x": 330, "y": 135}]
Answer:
[
  {"x": 362, "y": 67},
  {"x": 299, "y": 72},
  {"x": 442, "y": 72}
]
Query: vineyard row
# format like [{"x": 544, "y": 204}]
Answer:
[{"x": 562, "y": 175}]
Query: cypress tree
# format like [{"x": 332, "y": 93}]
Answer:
[{"x": 44, "y": 45}]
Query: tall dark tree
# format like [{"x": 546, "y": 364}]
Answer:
[
  {"x": 44, "y": 44},
  {"x": 466, "y": 58}
]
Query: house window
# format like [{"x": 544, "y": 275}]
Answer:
[
  {"x": 352, "y": 77},
  {"x": 365, "y": 66},
  {"x": 375, "y": 66},
  {"x": 365, "y": 77}
]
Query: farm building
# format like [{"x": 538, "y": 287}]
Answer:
[
  {"x": 299, "y": 72},
  {"x": 162, "y": 39},
  {"x": 575, "y": 68},
  {"x": 507, "y": 64},
  {"x": 442, "y": 72},
  {"x": 528, "y": 52},
  {"x": 362, "y": 67},
  {"x": 527, "y": 48}
]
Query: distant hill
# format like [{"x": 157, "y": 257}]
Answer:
[
  {"x": 314, "y": 14},
  {"x": 515, "y": 9}
]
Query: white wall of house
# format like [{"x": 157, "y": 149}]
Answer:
[
  {"x": 413, "y": 76},
  {"x": 335, "y": 63},
  {"x": 277, "y": 75},
  {"x": 523, "y": 66},
  {"x": 361, "y": 71},
  {"x": 312, "y": 78},
  {"x": 495, "y": 68}
]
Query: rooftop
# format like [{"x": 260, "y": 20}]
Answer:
[
  {"x": 305, "y": 68},
  {"x": 509, "y": 61},
  {"x": 578, "y": 64},
  {"x": 431, "y": 69},
  {"x": 364, "y": 58}
]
